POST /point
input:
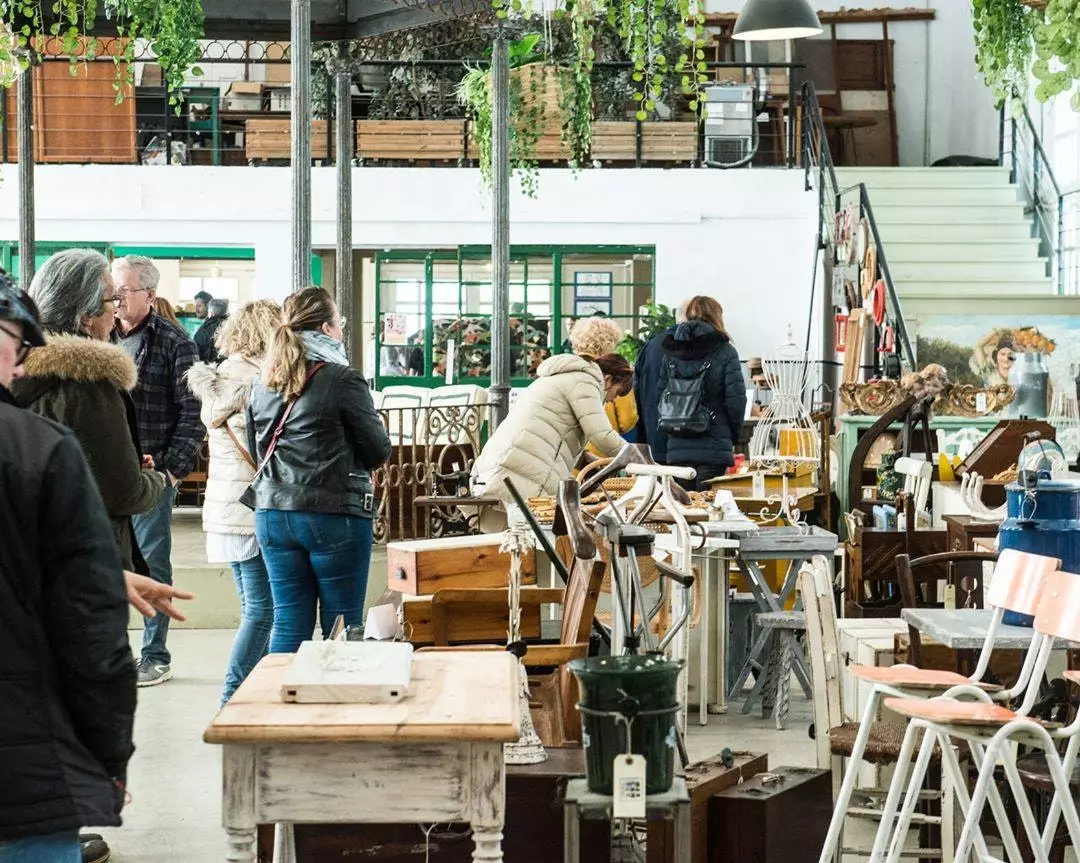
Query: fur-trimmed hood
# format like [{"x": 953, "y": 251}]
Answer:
[
  {"x": 81, "y": 360},
  {"x": 223, "y": 389}
]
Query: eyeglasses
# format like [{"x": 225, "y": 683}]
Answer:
[
  {"x": 114, "y": 299},
  {"x": 24, "y": 345},
  {"x": 121, "y": 292}
]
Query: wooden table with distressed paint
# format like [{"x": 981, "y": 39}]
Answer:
[{"x": 436, "y": 756}]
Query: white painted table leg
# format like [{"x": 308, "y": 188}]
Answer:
[
  {"x": 284, "y": 843},
  {"x": 238, "y": 816},
  {"x": 487, "y": 844},
  {"x": 705, "y": 570}
]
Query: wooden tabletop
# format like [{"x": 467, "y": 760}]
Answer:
[{"x": 456, "y": 696}]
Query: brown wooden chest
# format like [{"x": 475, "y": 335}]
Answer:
[{"x": 422, "y": 566}]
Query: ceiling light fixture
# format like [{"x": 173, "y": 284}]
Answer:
[{"x": 769, "y": 20}]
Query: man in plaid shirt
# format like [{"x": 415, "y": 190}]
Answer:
[{"x": 170, "y": 432}]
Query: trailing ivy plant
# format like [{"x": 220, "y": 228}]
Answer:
[
  {"x": 172, "y": 28},
  {"x": 1004, "y": 33},
  {"x": 1057, "y": 51},
  {"x": 527, "y": 111}
]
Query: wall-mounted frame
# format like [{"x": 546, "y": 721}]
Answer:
[{"x": 592, "y": 293}]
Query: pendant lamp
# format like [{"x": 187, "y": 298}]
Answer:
[{"x": 765, "y": 20}]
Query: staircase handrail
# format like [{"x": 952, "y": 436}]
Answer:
[
  {"x": 1026, "y": 175},
  {"x": 817, "y": 156}
]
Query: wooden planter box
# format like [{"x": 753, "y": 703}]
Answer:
[
  {"x": 272, "y": 139},
  {"x": 541, "y": 82},
  {"x": 410, "y": 140},
  {"x": 671, "y": 142}
]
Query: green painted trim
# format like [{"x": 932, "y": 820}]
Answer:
[{"x": 221, "y": 253}]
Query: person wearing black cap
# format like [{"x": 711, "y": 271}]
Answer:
[{"x": 67, "y": 677}]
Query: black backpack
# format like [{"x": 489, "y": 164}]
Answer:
[{"x": 682, "y": 411}]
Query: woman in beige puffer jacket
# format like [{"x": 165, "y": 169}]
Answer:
[{"x": 548, "y": 428}]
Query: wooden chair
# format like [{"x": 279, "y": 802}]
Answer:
[{"x": 919, "y": 579}]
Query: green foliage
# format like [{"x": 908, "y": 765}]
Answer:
[
  {"x": 172, "y": 28},
  {"x": 1004, "y": 33},
  {"x": 656, "y": 318},
  {"x": 1057, "y": 51}
]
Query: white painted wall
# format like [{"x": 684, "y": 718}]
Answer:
[
  {"x": 942, "y": 106},
  {"x": 745, "y": 237}
]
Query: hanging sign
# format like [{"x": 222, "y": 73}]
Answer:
[{"x": 394, "y": 329}]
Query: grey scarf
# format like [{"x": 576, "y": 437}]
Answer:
[{"x": 321, "y": 348}]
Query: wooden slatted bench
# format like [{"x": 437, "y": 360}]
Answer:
[
  {"x": 410, "y": 140},
  {"x": 271, "y": 139},
  {"x": 673, "y": 141}
]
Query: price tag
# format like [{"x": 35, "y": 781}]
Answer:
[
  {"x": 980, "y": 402},
  {"x": 629, "y": 786},
  {"x": 757, "y": 489},
  {"x": 950, "y": 597}
]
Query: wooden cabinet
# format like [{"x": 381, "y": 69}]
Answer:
[
  {"x": 962, "y": 531},
  {"x": 76, "y": 117}
]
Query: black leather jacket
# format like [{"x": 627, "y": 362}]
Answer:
[{"x": 332, "y": 440}]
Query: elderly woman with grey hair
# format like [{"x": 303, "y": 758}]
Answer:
[{"x": 82, "y": 381}]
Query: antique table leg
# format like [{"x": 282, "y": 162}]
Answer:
[
  {"x": 238, "y": 777},
  {"x": 488, "y": 804},
  {"x": 571, "y": 832}
]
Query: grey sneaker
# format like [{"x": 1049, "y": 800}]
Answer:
[{"x": 150, "y": 674}]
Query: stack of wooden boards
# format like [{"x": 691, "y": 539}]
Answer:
[{"x": 426, "y": 572}]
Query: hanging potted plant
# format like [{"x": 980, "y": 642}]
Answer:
[{"x": 172, "y": 28}]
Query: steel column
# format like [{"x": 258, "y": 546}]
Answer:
[
  {"x": 26, "y": 176},
  {"x": 344, "y": 268},
  {"x": 499, "y": 391},
  {"x": 301, "y": 143}
]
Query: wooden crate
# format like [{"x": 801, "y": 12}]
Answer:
[
  {"x": 616, "y": 141},
  {"x": 410, "y": 140},
  {"x": 271, "y": 139},
  {"x": 421, "y": 567},
  {"x": 473, "y": 625}
]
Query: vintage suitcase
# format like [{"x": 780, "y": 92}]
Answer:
[
  {"x": 420, "y": 567},
  {"x": 777, "y": 817},
  {"x": 703, "y": 780},
  {"x": 533, "y": 831}
]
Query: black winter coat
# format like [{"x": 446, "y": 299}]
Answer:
[
  {"x": 332, "y": 439},
  {"x": 204, "y": 340},
  {"x": 647, "y": 393},
  {"x": 67, "y": 679},
  {"x": 724, "y": 393}
]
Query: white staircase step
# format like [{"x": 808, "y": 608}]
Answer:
[
  {"x": 887, "y": 196},
  {"x": 906, "y": 271},
  {"x": 926, "y": 212},
  {"x": 971, "y": 250},
  {"x": 893, "y": 231},
  {"x": 944, "y": 288},
  {"x": 931, "y": 178}
]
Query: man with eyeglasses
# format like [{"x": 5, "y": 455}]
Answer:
[{"x": 170, "y": 431}]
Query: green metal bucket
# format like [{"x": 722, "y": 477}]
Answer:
[{"x": 643, "y": 689}]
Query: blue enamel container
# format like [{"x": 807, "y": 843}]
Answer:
[{"x": 1042, "y": 519}]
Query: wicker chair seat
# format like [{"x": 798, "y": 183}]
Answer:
[{"x": 882, "y": 747}]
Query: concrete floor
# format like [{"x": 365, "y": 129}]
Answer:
[{"x": 175, "y": 779}]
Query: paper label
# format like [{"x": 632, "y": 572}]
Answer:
[
  {"x": 980, "y": 402},
  {"x": 629, "y": 787},
  {"x": 950, "y": 597},
  {"x": 758, "y": 486}
]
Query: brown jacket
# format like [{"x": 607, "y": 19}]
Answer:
[{"x": 85, "y": 384}]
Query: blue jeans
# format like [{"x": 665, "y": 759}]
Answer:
[
  {"x": 256, "y": 621},
  {"x": 51, "y": 848},
  {"x": 313, "y": 558},
  {"x": 153, "y": 533}
]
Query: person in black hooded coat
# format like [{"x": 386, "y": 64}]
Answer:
[{"x": 702, "y": 338}]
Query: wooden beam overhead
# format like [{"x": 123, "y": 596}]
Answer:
[{"x": 844, "y": 16}]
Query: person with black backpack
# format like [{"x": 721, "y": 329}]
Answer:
[{"x": 702, "y": 393}]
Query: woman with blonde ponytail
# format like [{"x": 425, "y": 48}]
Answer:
[{"x": 314, "y": 434}]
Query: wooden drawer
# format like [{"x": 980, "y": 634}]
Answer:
[
  {"x": 485, "y": 624},
  {"x": 421, "y": 567}
]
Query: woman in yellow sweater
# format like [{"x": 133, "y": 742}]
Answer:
[{"x": 597, "y": 337}]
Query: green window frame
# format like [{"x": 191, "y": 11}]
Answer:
[{"x": 539, "y": 276}]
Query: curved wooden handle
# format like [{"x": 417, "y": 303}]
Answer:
[
  {"x": 568, "y": 520},
  {"x": 591, "y": 468}
]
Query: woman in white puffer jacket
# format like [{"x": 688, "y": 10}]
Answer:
[
  {"x": 551, "y": 423},
  {"x": 230, "y": 525}
]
